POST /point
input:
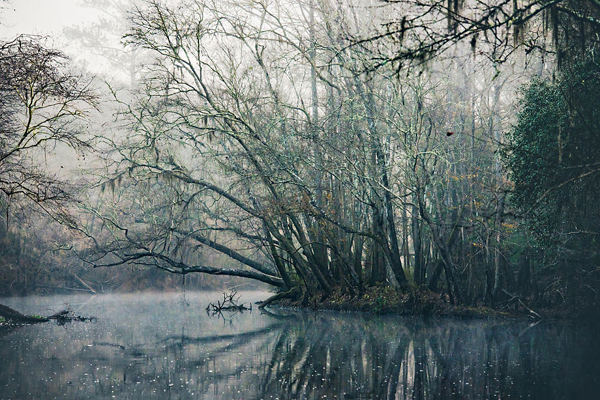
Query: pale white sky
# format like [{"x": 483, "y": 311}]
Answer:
[
  {"x": 44, "y": 17},
  {"x": 49, "y": 18}
]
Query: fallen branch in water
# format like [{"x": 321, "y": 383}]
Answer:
[
  {"x": 517, "y": 299},
  {"x": 230, "y": 303},
  {"x": 66, "y": 316},
  {"x": 12, "y": 316}
]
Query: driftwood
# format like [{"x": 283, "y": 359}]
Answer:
[
  {"x": 230, "y": 303},
  {"x": 517, "y": 300},
  {"x": 12, "y": 316}
]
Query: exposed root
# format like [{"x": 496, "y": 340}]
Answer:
[{"x": 290, "y": 294}]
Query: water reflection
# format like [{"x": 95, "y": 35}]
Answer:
[
  {"x": 356, "y": 357},
  {"x": 152, "y": 347}
]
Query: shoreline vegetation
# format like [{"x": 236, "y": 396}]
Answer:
[{"x": 384, "y": 300}]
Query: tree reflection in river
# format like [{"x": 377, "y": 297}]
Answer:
[
  {"x": 360, "y": 357},
  {"x": 163, "y": 351}
]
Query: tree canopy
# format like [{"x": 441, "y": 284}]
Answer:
[
  {"x": 277, "y": 141},
  {"x": 423, "y": 30},
  {"x": 42, "y": 105},
  {"x": 256, "y": 136},
  {"x": 554, "y": 159}
]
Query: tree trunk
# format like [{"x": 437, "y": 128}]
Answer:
[
  {"x": 437, "y": 271},
  {"x": 419, "y": 271},
  {"x": 497, "y": 264}
]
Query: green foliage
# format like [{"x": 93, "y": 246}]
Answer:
[{"x": 554, "y": 159}]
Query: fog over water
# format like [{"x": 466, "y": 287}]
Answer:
[{"x": 166, "y": 346}]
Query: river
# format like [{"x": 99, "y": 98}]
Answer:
[{"x": 165, "y": 346}]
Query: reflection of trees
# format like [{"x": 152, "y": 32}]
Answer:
[
  {"x": 313, "y": 356},
  {"x": 295, "y": 355},
  {"x": 346, "y": 358},
  {"x": 180, "y": 363},
  {"x": 356, "y": 357}
]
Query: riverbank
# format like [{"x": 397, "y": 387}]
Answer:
[{"x": 386, "y": 300}]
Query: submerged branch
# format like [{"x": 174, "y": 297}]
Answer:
[{"x": 12, "y": 316}]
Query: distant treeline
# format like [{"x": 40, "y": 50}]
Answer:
[{"x": 28, "y": 265}]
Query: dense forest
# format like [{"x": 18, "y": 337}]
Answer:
[{"x": 318, "y": 148}]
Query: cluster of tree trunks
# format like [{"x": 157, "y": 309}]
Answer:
[
  {"x": 289, "y": 140},
  {"x": 310, "y": 173}
]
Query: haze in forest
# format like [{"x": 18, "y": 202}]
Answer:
[
  {"x": 432, "y": 166},
  {"x": 320, "y": 148}
]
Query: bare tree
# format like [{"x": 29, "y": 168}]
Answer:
[
  {"x": 103, "y": 39},
  {"x": 43, "y": 110},
  {"x": 43, "y": 106},
  {"x": 259, "y": 137},
  {"x": 494, "y": 29}
]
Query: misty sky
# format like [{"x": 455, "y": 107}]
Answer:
[
  {"x": 44, "y": 17},
  {"x": 49, "y": 18}
]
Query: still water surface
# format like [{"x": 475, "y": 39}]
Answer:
[{"x": 164, "y": 346}]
